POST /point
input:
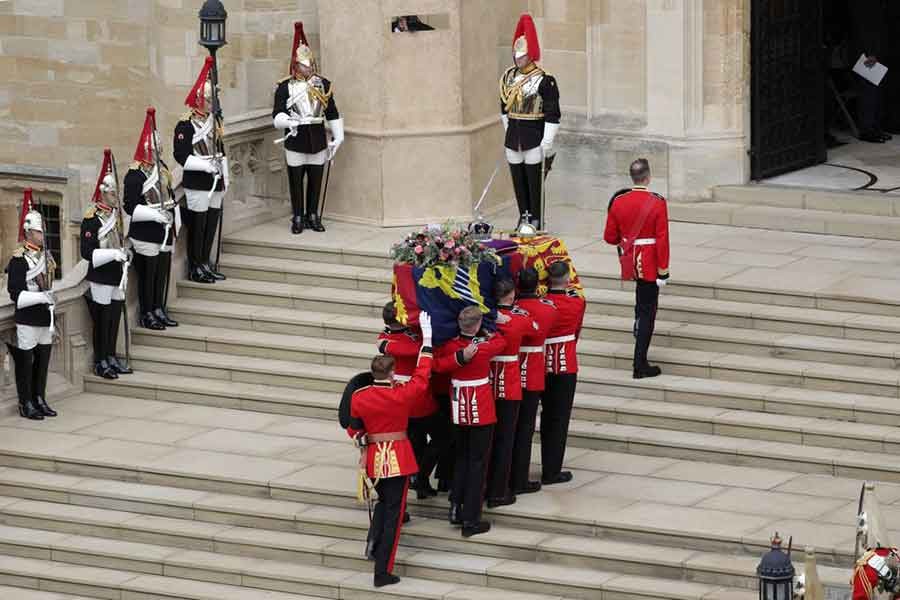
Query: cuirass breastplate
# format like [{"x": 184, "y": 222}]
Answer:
[
  {"x": 305, "y": 98},
  {"x": 520, "y": 94}
]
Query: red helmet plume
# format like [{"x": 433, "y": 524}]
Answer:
[
  {"x": 525, "y": 39},
  {"x": 144, "y": 151},
  {"x": 105, "y": 172},
  {"x": 196, "y": 98},
  {"x": 27, "y": 203},
  {"x": 300, "y": 51}
]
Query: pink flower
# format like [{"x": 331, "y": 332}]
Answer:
[
  {"x": 419, "y": 250},
  {"x": 449, "y": 244},
  {"x": 458, "y": 250}
]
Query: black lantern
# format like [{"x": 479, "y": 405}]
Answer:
[
  {"x": 212, "y": 25},
  {"x": 776, "y": 573}
]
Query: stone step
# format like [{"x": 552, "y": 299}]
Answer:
[
  {"x": 271, "y": 386},
  {"x": 334, "y": 569},
  {"x": 375, "y": 271},
  {"x": 342, "y": 571},
  {"x": 738, "y": 313},
  {"x": 589, "y": 408},
  {"x": 223, "y": 316},
  {"x": 279, "y": 530},
  {"x": 272, "y": 346},
  {"x": 305, "y": 460},
  {"x": 21, "y": 593},
  {"x": 856, "y": 202},
  {"x": 781, "y": 218},
  {"x": 764, "y": 370}
]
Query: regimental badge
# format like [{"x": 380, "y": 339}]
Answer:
[
  {"x": 87, "y": 234},
  {"x": 180, "y": 136}
]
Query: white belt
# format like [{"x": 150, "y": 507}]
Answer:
[
  {"x": 469, "y": 382},
  {"x": 529, "y": 349},
  {"x": 505, "y": 359},
  {"x": 644, "y": 241},
  {"x": 402, "y": 378},
  {"x": 560, "y": 339}
]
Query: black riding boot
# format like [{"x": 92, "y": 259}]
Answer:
[
  {"x": 520, "y": 186},
  {"x": 313, "y": 190},
  {"x": 533, "y": 173},
  {"x": 295, "y": 187},
  {"x": 159, "y": 292},
  {"x": 116, "y": 308},
  {"x": 212, "y": 224},
  {"x": 41, "y": 368},
  {"x": 24, "y": 363}
]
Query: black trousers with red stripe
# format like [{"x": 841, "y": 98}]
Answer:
[
  {"x": 388, "y": 521},
  {"x": 556, "y": 411},
  {"x": 504, "y": 441}
]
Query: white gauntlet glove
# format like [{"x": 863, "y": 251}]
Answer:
[
  {"x": 661, "y": 282},
  {"x": 199, "y": 163},
  {"x": 550, "y": 130},
  {"x": 283, "y": 121},
  {"x": 27, "y": 299},
  {"x": 505, "y": 120},
  {"x": 425, "y": 324}
]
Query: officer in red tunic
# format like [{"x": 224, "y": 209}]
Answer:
[
  {"x": 638, "y": 223},
  {"x": 379, "y": 418},
  {"x": 562, "y": 373},
  {"x": 428, "y": 431},
  {"x": 507, "y": 382},
  {"x": 533, "y": 377},
  {"x": 467, "y": 358}
]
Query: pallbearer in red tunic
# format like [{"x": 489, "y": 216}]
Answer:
[
  {"x": 562, "y": 373},
  {"x": 379, "y": 418},
  {"x": 533, "y": 374},
  {"x": 428, "y": 430},
  {"x": 507, "y": 382},
  {"x": 467, "y": 358},
  {"x": 638, "y": 223}
]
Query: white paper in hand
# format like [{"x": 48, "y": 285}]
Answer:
[{"x": 873, "y": 74}]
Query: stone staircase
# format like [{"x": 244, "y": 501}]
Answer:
[
  {"x": 218, "y": 470},
  {"x": 865, "y": 214}
]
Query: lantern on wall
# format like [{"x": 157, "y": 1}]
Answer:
[
  {"x": 212, "y": 25},
  {"x": 776, "y": 573}
]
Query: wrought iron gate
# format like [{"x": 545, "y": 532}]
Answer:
[{"x": 788, "y": 84}]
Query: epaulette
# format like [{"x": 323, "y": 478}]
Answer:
[
  {"x": 519, "y": 311},
  {"x": 548, "y": 302},
  {"x": 572, "y": 293},
  {"x": 19, "y": 252},
  {"x": 90, "y": 212},
  {"x": 135, "y": 165},
  {"x": 621, "y": 192},
  {"x": 282, "y": 80},
  {"x": 187, "y": 116},
  {"x": 660, "y": 196}
]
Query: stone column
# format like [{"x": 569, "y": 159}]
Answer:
[{"x": 420, "y": 109}]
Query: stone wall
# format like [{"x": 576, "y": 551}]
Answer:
[{"x": 77, "y": 75}]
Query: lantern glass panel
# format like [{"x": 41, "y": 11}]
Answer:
[{"x": 782, "y": 590}]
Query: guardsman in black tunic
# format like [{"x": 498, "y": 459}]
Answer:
[
  {"x": 303, "y": 102},
  {"x": 151, "y": 230},
  {"x": 529, "y": 109},
  {"x": 29, "y": 279},
  {"x": 205, "y": 174},
  {"x": 108, "y": 261}
]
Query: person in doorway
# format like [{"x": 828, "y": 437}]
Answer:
[
  {"x": 868, "y": 20},
  {"x": 304, "y": 101},
  {"x": 637, "y": 222}
]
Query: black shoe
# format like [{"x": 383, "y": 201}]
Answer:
[
  {"x": 30, "y": 411},
  {"x": 105, "y": 370},
  {"x": 120, "y": 367},
  {"x": 871, "y": 137},
  {"x": 44, "y": 407},
  {"x": 297, "y": 225},
  {"x": 213, "y": 273},
  {"x": 165, "y": 319},
  {"x": 198, "y": 275},
  {"x": 149, "y": 321},
  {"x": 315, "y": 223},
  {"x": 647, "y": 371},
  {"x": 455, "y": 516},
  {"x": 530, "y": 488},
  {"x": 470, "y": 529},
  {"x": 425, "y": 491},
  {"x": 562, "y": 477},
  {"x": 884, "y": 135},
  {"x": 386, "y": 579},
  {"x": 504, "y": 501}
]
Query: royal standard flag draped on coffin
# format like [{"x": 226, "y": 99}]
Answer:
[{"x": 443, "y": 291}]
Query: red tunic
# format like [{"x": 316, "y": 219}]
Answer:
[
  {"x": 560, "y": 346},
  {"x": 471, "y": 397},
  {"x": 531, "y": 352},
  {"x": 385, "y": 407},
  {"x": 403, "y": 345},
  {"x": 505, "y": 376},
  {"x": 865, "y": 578},
  {"x": 651, "y": 250}
]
